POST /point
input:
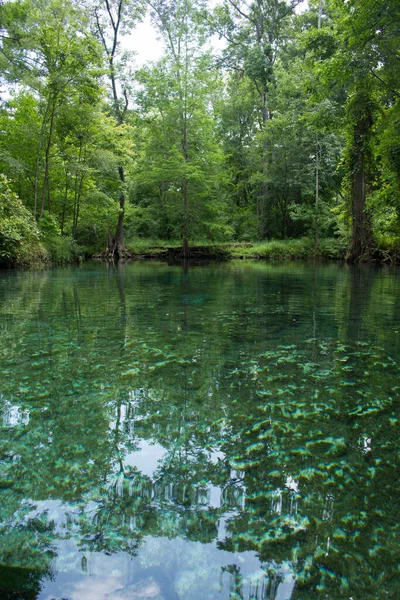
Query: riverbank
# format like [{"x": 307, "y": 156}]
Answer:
[
  {"x": 276, "y": 250},
  {"x": 200, "y": 251},
  {"x": 280, "y": 250}
]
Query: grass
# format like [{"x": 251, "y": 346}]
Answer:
[
  {"x": 276, "y": 250},
  {"x": 302, "y": 248},
  {"x": 280, "y": 250},
  {"x": 151, "y": 246}
]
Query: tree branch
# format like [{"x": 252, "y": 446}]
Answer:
[
  {"x": 125, "y": 93},
  {"x": 115, "y": 26},
  {"x": 12, "y": 39},
  {"x": 110, "y": 14},
  {"x": 164, "y": 23},
  {"x": 99, "y": 29},
  {"x": 235, "y": 6},
  {"x": 384, "y": 83}
]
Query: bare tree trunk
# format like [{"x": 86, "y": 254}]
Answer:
[{"x": 119, "y": 246}]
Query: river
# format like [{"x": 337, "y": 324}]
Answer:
[{"x": 226, "y": 432}]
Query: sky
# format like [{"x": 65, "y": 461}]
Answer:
[
  {"x": 144, "y": 42},
  {"x": 144, "y": 39}
]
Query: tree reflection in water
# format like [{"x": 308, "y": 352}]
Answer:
[{"x": 226, "y": 430}]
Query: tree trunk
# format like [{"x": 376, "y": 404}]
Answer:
[
  {"x": 36, "y": 186},
  {"x": 316, "y": 232},
  {"x": 47, "y": 159},
  {"x": 185, "y": 244},
  {"x": 361, "y": 241},
  {"x": 265, "y": 189},
  {"x": 361, "y": 236},
  {"x": 65, "y": 204},
  {"x": 119, "y": 249},
  {"x": 78, "y": 204},
  {"x": 116, "y": 246}
]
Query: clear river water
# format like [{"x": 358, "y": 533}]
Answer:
[{"x": 230, "y": 432}]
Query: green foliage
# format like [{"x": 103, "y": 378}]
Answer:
[
  {"x": 19, "y": 236},
  {"x": 334, "y": 248},
  {"x": 98, "y": 215},
  {"x": 363, "y": 72},
  {"x": 284, "y": 250},
  {"x": 299, "y": 128},
  {"x": 180, "y": 184},
  {"x": 61, "y": 249}
]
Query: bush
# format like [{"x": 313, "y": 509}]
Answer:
[
  {"x": 19, "y": 236},
  {"x": 279, "y": 249},
  {"x": 302, "y": 248},
  {"x": 61, "y": 249},
  {"x": 334, "y": 247}
]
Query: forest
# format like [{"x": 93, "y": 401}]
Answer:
[{"x": 264, "y": 122}]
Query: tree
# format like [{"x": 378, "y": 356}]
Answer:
[
  {"x": 182, "y": 90},
  {"x": 367, "y": 71},
  {"x": 255, "y": 32},
  {"x": 58, "y": 61},
  {"x": 113, "y": 18},
  {"x": 53, "y": 127},
  {"x": 304, "y": 133},
  {"x": 237, "y": 124}
]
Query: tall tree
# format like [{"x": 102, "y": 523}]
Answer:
[
  {"x": 366, "y": 65},
  {"x": 54, "y": 56},
  {"x": 254, "y": 32},
  {"x": 114, "y": 18},
  {"x": 180, "y": 179},
  {"x": 189, "y": 101}
]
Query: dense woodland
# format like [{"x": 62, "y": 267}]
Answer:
[{"x": 289, "y": 129}]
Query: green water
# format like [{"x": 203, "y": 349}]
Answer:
[{"x": 227, "y": 433}]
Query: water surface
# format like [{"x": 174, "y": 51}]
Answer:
[{"x": 227, "y": 433}]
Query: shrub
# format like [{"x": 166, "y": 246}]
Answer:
[
  {"x": 302, "y": 248},
  {"x": 61, "y": 249},
  {"x": 19, "y": 236}
]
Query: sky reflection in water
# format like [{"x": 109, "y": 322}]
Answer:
[{"x": 227, "y": 433}]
